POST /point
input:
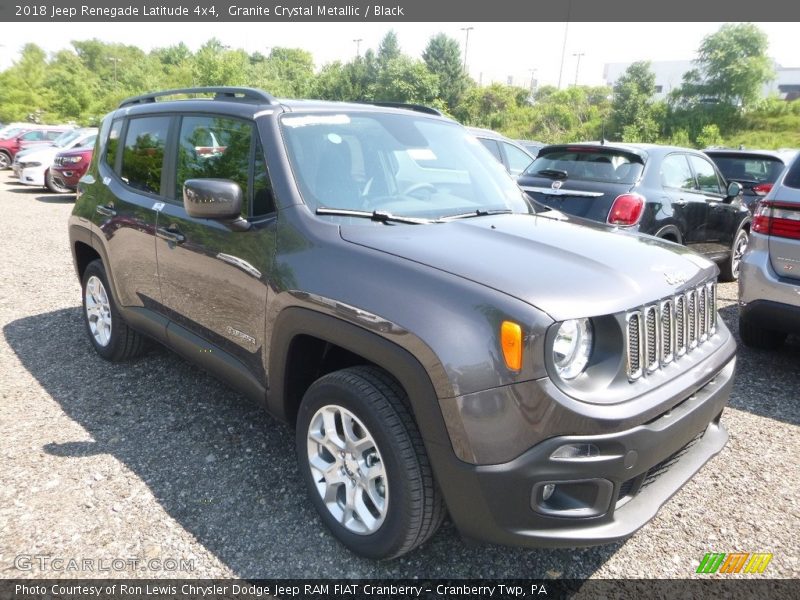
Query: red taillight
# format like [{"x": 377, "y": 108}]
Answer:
[
  {"x": 778, "y": 219},
  {"x": 762, "y": 189},
  {"x": 626, "y": 209}
]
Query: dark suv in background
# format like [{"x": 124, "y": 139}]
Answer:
[
  {"x": 676, "y": 194},
  {"x": 756, "y": 170},
  {"x": 371, "y": 276}
]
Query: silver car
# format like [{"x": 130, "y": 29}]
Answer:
[{"x": 769, "y": 281}]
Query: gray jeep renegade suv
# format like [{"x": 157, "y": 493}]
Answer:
[{"x": 372, "y": 276}]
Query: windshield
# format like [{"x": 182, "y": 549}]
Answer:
[
  {"x": 66, "y": 138},
  {"x": 11, "y": 132},
  {"x": 395, "y": 163},
  {"x": 589, "y": 163}
]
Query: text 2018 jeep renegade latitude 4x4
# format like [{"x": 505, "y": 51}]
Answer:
[{"x": 375, "y": 278}]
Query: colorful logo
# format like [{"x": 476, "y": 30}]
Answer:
[{"x": 739, "y": 562}]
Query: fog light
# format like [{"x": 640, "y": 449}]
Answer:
[
  {"x": 547, "y": 491},
  {"x": 575, "y": 452}
]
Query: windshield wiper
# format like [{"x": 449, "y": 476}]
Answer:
[
  {"x": 376, "y": 215},
  {"x": 477, "y": 213},
  {"x": 553, "y": 173}
]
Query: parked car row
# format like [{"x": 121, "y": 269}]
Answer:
[{"x": 34, "y": 166}]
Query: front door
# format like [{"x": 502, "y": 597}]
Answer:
[{"x": 214, "y": 276}]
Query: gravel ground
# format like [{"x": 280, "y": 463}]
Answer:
[{"x": 156, "y": 460}]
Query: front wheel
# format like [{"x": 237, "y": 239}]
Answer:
[
  {"x": 51, "y": 184},
  {"x": 365, "y": 465},
  {"x": 729, "y": 270},
  {"x": 5, "y": 160}
]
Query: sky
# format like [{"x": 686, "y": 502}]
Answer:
[{"x": 495, "y": 50}]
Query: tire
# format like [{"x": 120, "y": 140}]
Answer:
[
  {"x": 5, "y": 161},
  {"x": 51, "y": 185},
  {"x": 729, "y": 270},
  {"x": 389, "y": 477},
  {"x": 757, "y": 337},
  {"x": 109, "y": 334}
]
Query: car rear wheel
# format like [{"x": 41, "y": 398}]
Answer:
[
  {"x": 108, "y": 332},
  {"x": 5, "y": 160},
  {"x": 365, "y": 464},
  {"x": 729, "y": 270},
  {"x": 51, "y": 185},
  {"x": 756, "y": 336}
]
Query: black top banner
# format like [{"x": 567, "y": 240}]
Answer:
[{"x": 400, "y": 10}]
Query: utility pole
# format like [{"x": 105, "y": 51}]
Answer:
[
  {"x": 466, "y": 45},
  {"x": 564, "y": 45},
  {"x": 358, "y": 47},
  {"x": 116, "y": 60},
  {"x": 578, "y": 66},
  {"x": 533, "y": 82}
]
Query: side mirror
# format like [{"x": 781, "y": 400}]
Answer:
[
  {"x": 212, "y": 198},
  {"x": 734, "y": 189}
]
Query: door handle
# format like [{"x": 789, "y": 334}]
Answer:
[
  {"x": 106, "y": 211},
  {"x": 680, "y": 202},
  {"x": 171, "y": 234}
]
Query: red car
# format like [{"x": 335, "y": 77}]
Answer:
[
  {"x": 25, "y": 139},
  {"x": 69, "y": 166}
]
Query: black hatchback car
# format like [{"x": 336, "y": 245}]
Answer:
[{"x": 672, "y": 193}]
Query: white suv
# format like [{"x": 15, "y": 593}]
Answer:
[
  {"x": 32, "y": 166},
  {"x": 769, "y": 280}
]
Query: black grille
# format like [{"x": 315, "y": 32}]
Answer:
[
  {"x": 651, "y": 333},
  {"x": 634, "y": 364},
  {"x": 658, "y": 470}
]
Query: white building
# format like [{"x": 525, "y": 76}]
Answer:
[{"x": 669, "y": 76}]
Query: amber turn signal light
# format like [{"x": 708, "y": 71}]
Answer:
[{"x": 511, "y": 341}]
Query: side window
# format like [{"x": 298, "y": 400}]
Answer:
[
  {"x": 32, "y": 136},
  {"x": 707, "y": 178},
  {"x": 143, "y": 153},
  {"x": 215, "y": 148},
  {"x": 675, "y": 173},
  {"x": 518, "y": 161},
  {"x": 51, "y": 135},
  {"x": 113, "y": 143},
  {"x": 492, "y": 147}
]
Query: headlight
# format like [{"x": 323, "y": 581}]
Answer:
[
  {"x": 572, "y": 347},
  {"x": 71, "y": 160}
]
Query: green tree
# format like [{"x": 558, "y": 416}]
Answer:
[
  {"x": 632, "y": 118},
  {"x": 405, "y": 80},
  {"x": 23, "y": 93},
  {"x": 442, "y": 56},
  {"x": 389, "y": 49},
  {"x": 731, "y": 66},
  {"x": 215, "y": 64}
]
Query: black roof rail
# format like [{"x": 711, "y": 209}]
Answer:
[
  {"x": 220, "y": 93},
  {"x": 428, "y": 110}
]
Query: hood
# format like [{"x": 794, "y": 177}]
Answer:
[
  {"x": 564, "y": 269},
  {"x": 43, "y": 155}
]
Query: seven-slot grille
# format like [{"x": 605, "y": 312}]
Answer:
[{"x": 659, "y": 333}]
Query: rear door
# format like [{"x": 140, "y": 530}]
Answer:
[
  {"x": 689, "y": 207},
  {"x": 516, "y": 160},
  {"x": 124, "y": 206},
  {"x": 214, "y": 276}
]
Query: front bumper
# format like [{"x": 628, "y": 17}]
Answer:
[
  {"x": 67, "y": 177},
  {"x": 32, "y": 176},
  {"x": 601, "y": 498}
]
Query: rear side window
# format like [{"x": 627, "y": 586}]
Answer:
[
  {"x": 792, "y": 178},
  {"x": 593, "y": 164},
  {"x": 143, "y": 153},
  {"x": 52, "y": 135},
  {"x": 492, "y": 147},
  {"x": 32, "y": 136},
  {"x": 113, "y": 143},
  {"x": 676, "y": 174}
]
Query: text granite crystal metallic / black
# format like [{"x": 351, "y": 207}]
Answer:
[{"x": 372, "y": 276}]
